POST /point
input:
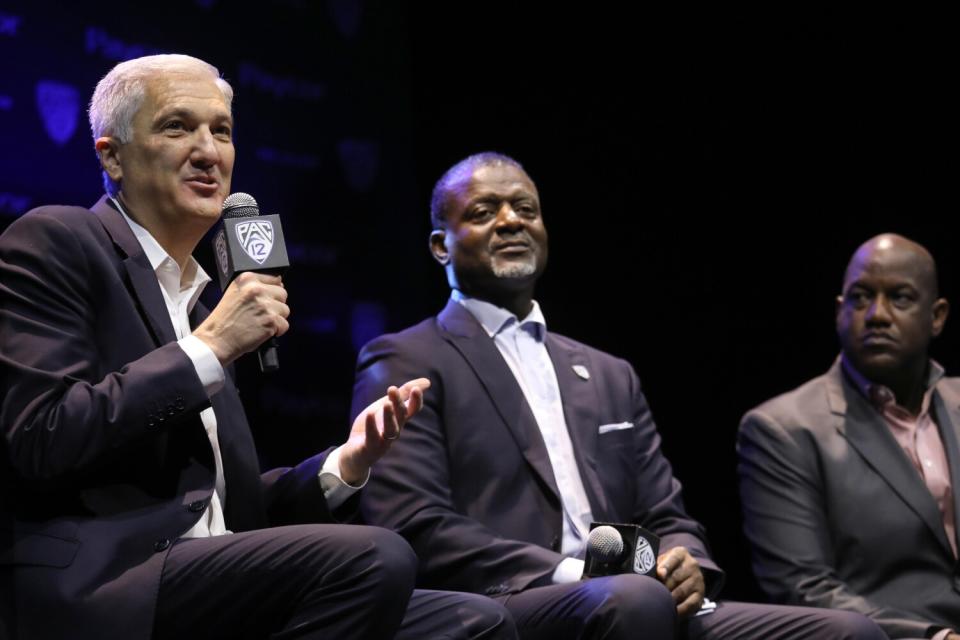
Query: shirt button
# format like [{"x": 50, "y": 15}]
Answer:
[{"x": 161, "y": 545}]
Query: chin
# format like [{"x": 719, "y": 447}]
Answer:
[
  {"x": 515, "y": 270},
  {"x": 879, "y": 368}
]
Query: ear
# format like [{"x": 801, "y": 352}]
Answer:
[
  {"x": 838, "y": 306},
  {"x": 941, "y": 308},
  {"x": 108, "y": 148},
  {"x": 438, "y": 246}
]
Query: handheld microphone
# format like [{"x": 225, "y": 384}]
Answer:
[
  {"x": 247, "y": 241},
  {"x": 614, "y": 548}
]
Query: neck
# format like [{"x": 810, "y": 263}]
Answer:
[
  {"x": 909, "y": 393},
  {"x": 908, "y": 383},
  {"x": 516, "y": 302},
  {"x": 178, "y": 243}
]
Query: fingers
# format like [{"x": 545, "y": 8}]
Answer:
[
  {"x": 393, "y": 412},
  {"x": 414, "y": 403},
  {"x": 370, "y": 426},
  {"x": 399, "y": 408},
  {"x": 408, "y": 387},
  {"x": 412, "y": 394},
  {"x": 690, "y": 605},
  {"x": 680, "y": 573},
  {"x": 668, "y": 563}
]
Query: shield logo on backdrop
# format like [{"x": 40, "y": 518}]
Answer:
[
  {"x": 256, "y": 239},
  {"x": 643, "y": 559},
  {"x": 59, "y": 106}
]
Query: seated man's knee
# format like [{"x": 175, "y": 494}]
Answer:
[
  {"x": 485, "y": 618},
  {"x": 848, "y": 625},
  {"x": 390, "y": 556},
  {"x": 632, "y": 602},
  {"x": 351, "y": 554}
]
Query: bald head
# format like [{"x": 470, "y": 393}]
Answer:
[
  {"x": 890, "y": 250},
  {"x": 889, "y": 312}
]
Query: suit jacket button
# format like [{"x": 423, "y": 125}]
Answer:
[
  {"x": 161, "y": 545},
  {"x": 555, "y": 545},
  {"x": 171, "y": 411},
  {"x": 197, "y": 506}
]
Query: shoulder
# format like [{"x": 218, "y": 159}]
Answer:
[
  {"x": 805, "y": 408},
  {"x": 409, "y": 341},
  {"x": 949, "y": 390},
  {"x": 42, "y": 226}
]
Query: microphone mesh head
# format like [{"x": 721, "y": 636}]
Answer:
[
  {"x": 240, "y": 205},
  {"x": 605, "y": 544}
]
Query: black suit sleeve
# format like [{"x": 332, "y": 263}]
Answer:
[
  {"x": 787, "y": 526},
  {"x": 410, "y": 489},
  {"x": 294, "y": 495},
  {"x": 659, "y": 503},
  {"x": 61, "y": 413}
]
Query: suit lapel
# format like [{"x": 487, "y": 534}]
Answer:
[
  {"x": 142, "y": 280},
  {"x": 580, "y": 403},
  {"x": 947, "y": 411},
  {"x": 866, "y": 431},
  {"x": 466, "y": 335}
]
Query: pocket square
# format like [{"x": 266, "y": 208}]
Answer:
[{"x": 614, "y": 426}]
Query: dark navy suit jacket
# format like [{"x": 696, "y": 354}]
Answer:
[
  {"x": 104, "y": 458},
  {"x": 469, "y": 483}
]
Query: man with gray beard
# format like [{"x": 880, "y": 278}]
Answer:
[{"x": 526, "y": 436}]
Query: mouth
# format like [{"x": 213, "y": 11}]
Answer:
[
  {"x": 512, "y": 247},
  {"x": 203, "y": 184},
  {"x": 878, "y": 340}
]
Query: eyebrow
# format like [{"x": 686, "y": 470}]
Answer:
[
  {"x": 188, "y": 114},
  {"x": 517, "y": 194}
]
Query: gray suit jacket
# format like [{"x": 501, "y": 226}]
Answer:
[{"x": 838, "y": 516}]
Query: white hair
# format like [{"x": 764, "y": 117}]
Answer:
[{"x": 121, "y": 92}]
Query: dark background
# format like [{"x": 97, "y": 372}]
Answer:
[{"x": 705, "y": 175}]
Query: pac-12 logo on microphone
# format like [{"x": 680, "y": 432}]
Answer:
[
  {"x": 643, "y": 559},
  {"x": 256, "y": 238},
  {"x": 220, "y": 244}
]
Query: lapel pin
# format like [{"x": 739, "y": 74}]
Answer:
[{"x": 581, "y": 371}]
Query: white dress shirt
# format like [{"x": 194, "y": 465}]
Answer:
[{"x": 521, "y": 343}]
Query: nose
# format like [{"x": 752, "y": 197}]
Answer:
[
  {"x": 508, "y": 219},
  {"x": 205, "y": 152},
  {"x": 879, "y": 311}
]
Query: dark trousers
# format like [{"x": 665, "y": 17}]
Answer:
[
  {"x": 312, "y": 581},
  {"x": 631, "y": 607}
]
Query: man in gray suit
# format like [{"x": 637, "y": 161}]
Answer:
[{"x": 848, "y": 481}]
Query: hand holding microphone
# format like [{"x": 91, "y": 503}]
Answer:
[
  {"x": 251, "y": 256},
  {"x": 680, "y": 573},
  {"x": 626, "y": 548},
  {"x": 252, "y": 310}
]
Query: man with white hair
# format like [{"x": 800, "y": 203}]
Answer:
[{"x": 133, "y": 506}]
